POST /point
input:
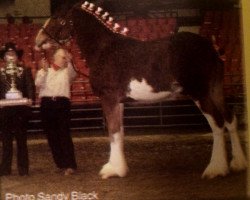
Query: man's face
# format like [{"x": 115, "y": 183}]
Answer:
[
  {"x": 61, "y": 59},
  {"x": 10, "y": 56}
]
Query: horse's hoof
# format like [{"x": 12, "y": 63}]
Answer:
[
  {"x": 109, "y": 170},
  {"x": 213, "y": 171},
  {"x": 238, "y": 164}
]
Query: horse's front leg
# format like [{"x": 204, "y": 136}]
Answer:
[{"x": 116, "y": 166}]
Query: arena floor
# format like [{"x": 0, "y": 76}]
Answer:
[{"x": 164, "y": 165}]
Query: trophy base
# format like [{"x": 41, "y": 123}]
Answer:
[
  {"x": 12, "y": 95},
  {"x": 15, "y": 102}
]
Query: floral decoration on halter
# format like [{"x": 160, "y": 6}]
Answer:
[{"x": 104, "y": 18}]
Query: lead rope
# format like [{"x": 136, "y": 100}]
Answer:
[
  {"x": 77, "y": 70},
  {"x": 62, "y": 45}
]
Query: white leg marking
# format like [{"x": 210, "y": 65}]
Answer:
[
  {"x": 117, "y": 165},
  {"x": 218, "y": 164},
  {"x": 239, "y": 161}
]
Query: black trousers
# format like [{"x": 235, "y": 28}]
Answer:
[
  {"x": 55, "y": 114},
  {"x": 14, "y": 125}
]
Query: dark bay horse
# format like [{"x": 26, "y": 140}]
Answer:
[{"x": 122, "y": 67}]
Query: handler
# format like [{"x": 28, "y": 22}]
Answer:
[{"x": 53, "y": 81}]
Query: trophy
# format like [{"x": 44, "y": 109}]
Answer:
[
  {"x": 13, "y": 96},
  {"x": 13, "y": 71}
]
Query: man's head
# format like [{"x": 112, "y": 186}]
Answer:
[
  {"x": 10, "y": 53},
  {"x": 61, "y": 58}
]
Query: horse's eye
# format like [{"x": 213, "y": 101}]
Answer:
[{"x": 62, "y": 22}]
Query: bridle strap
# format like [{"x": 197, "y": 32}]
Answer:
[
  {"x": 62, "y": 45},
  {"x": 53, "y": 38}
]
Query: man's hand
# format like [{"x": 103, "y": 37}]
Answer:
[{"x": 44, "y": 64}]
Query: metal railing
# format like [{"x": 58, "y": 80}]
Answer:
[{"x": 169, "y": 114}]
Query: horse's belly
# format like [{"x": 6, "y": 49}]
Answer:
[{"x": 142, "y": 91}]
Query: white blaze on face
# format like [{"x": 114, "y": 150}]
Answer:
[
  {"x": 142, "y": 91},
  {"x": 41, "y": 37}
]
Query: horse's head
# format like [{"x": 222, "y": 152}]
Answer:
[
  {"x": 57, "y": 30},
  {"x": 87, "y": 19}
]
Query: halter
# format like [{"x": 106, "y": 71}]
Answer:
[
  {"x": 62, "y": 45},
  {"x": 51, "y": 37},
  {"x": 54, "y": 38},
  {"x": 104, "y": 18}
]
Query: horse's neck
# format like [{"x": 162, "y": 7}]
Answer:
[
  {"x": 93, "y": 38},
  {"x": 95, "y": 41}
]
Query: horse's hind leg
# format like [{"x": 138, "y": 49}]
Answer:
[
  {"x": 238, "y": 161},
  {"x": 116, "y": 166},
  {"x": 218, "y": 164}
]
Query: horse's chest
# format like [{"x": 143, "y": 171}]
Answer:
[{"x": 142, "y": 91}]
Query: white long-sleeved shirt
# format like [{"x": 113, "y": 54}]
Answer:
[{"x": 53, "y": 82}]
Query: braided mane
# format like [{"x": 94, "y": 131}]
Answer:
[{"x": 104, "y": 18}]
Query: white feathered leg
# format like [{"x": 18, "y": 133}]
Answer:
[
  {"x": 238, "y": 161},
  {"x": 218, "y": 164},
  {"x": 117, "y": 165}
]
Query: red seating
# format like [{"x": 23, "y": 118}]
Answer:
[
  {"x": 78, "y": 86},
  {"x": 151, "y": 29},
  {"x": 162, "y": 22},
  {"x": 153, "y": 35},
  {"x": 153, "y": 22},
  {"x": 13, "y": 31},
  {"x": 224, "y": 27},
  {"x": 78, "y": 99}
]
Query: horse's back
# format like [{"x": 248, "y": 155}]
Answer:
[{"x": 186, "y": 58}]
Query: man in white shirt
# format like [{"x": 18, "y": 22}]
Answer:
[{"x": 53, "y": 81}]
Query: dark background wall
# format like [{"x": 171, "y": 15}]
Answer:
[
  {"x": 142, "y": 6},
  {"x": 6, "y": 2}
]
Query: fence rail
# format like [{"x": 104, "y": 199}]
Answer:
[{"x": 169, "y": 114}]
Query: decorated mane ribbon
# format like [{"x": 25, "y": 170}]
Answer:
[{"x": 105, "y": 19}]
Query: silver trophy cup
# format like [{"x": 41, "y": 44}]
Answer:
[
  {"x": 13, "y": 96},
  {"x": 13, "y": 71}
]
